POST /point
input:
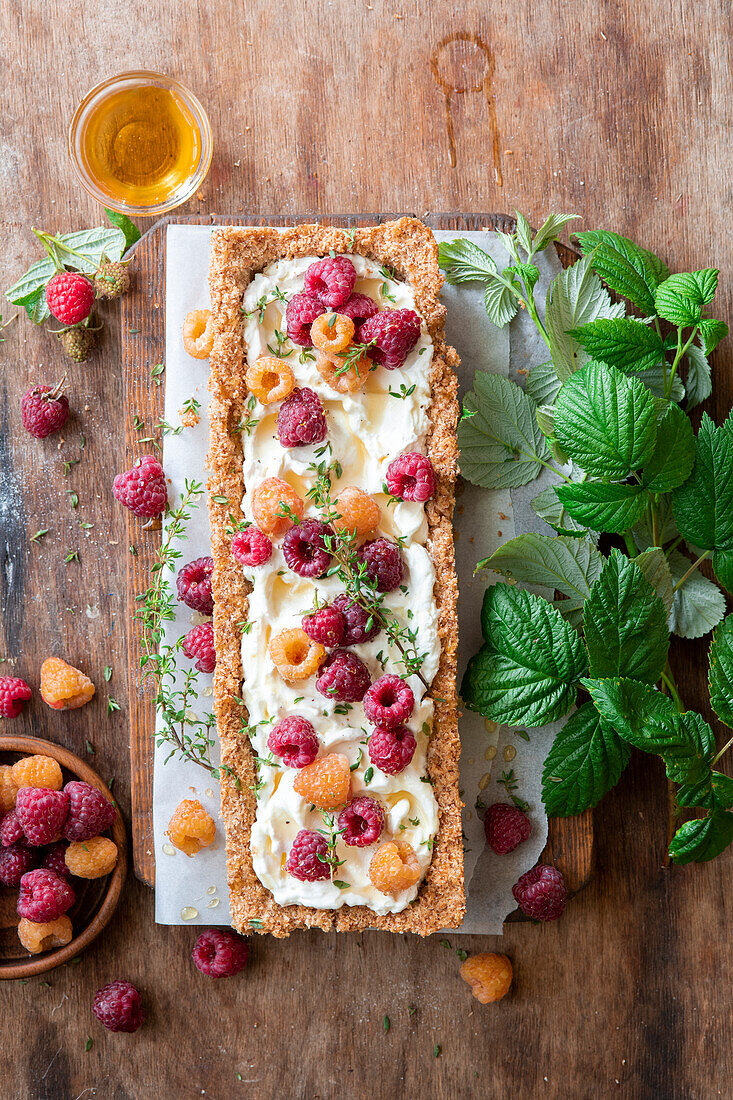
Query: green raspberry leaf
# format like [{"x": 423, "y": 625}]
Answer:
[
  {"x": 674, "y": 454},
  {"x": 464, "y": 262},
  {"x": 703, "y": 839},
  {"x": 611, "y": 508},
  {"x": 500, "y": 441},
  {"x": 130, "y": 231},
  {"x": 586, "y": 759},
  {"x": 621, "y": 342},
  {"x": 698, "y": 605},
  {"x": 703, "y": 506},
  {"x": 631, "y": 271},
  {"x": 570, "y": 565},
  {"x": 526, "y": 672},
  {"x": 712, "y": 332},
  {"x": 720, "y": 675},
  {"x": 547, "y": 506},
  {"x": 528, "y": 272},
  {"x": 550, "y": 230},
  {"x": 723, "y": 568},
  {"x": 680, "y": 298},
  {"x": 653, "y": 564},
  {"x": 625, "y": 623},
  {"x": 714, "y": 792},
  {"x": 575, "y": 297},
  {"x": 605, "y": 421},
  {"x": 542, "y": 384},
  {"x": 499, "y": 302},
  {"x": 698, "y": 384}
]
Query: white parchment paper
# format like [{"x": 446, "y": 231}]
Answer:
[{"x": 194, "y": 891}]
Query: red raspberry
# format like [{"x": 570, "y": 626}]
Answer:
[
  {"x": 362, "y": 822},
  {"x": 359, "y": 307},
  {"x": 541, "y": 893},
  {"x": 198, "y": 646},
  {"x": 389, "y": 702},
  {"x": 43, "y": 896},
  {"x": 13, "y": 693},
  {"x": 300, "y": 314},
  {"x": 194, "y": 585},
  {"x": 304, "y": 548},
  {"x": 54, "y": 860},
  {"x": 301, "y": 419},
  {"x": 307, "y": 860},
  {"x": 391, "y": 750},
  {"x": 326, "y": 626},
  {"x": 142, "y": 489},
  {"x": 251, "y": 547},
  {"x": 383, "y": 563},
  {"x": 220, "y": 953},
  {"x": 411, "y": 477},
  {"x": 42, "y": 813},
  {"x": 344, "y": 677},
  {"x": 119, "y": 1006},
  {"x": 392, "y": 335},
  {"x": 11, "y": 829},
  {"x": 90, "y": 812},
  {"x": 15, "y": 861},
  {"x": 505, "y": 827},
  {"x": 295, "y": 740},
  {"x": 360, "y": 625},
  {"x": 331, "y": 280},
  {"x": 43, "y": 410},
  {"x": 70, "y": 297}
]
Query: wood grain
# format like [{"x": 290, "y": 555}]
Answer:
[{"x": 619, "y": 112}]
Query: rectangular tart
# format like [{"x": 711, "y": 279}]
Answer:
[{"x": 397, "y": 263}]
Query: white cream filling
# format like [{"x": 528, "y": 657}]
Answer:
[{"x": 366, "y": 430}]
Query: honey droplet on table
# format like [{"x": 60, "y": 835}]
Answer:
[
  {"x": 509, "y": 753},
  {"x": 189, "y": 913},
  {"x": 213, "y": 903},
  {"x": 490, "y": 752},
  {"x": 210, "y": 889},
  {"x": 169, "y": 850}
]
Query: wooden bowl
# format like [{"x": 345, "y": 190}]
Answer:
[{"x": 96, "y": 899}]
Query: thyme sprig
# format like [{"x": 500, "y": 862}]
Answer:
[{"x": 331, "y": 834}]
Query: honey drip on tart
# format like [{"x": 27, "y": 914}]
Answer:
[{"x": 341, "y": 643}]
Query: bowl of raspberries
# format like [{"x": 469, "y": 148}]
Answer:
[{"x": 62, "y": 856}]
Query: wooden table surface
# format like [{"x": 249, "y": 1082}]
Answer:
[{"x": 617, "y": 111}]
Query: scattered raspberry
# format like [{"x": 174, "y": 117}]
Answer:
[
  {"x": 305, "y": 548},
  {"x": 394, "y": 332},
  {"x": 489, "y": 976},
  {"x": 78, "y": 343},
  {"x": 308, "y": 857},
  {"x": 300, "y": 314},
  {"x": 90, "y": 812},
  {"x": 15, "y": 861},
  {"x": 331, "y": 280},
  {"x": 191, "y": 828},
  {"x": 295, "y": 655},
  {"x": 251, "y": 547},
  {"x": 198, "y": 333},
  {"x": 119, "y": 1007},
  {"x": 394, "y": 867},
  {"x": 8, "y": 789},
  {"x": 411, "y": 477},
  {"x": 505, "y": 827},
  {"x": 194, "y": 585},
  {"x": 220, "y": 953},
  {"x": 64, "y": 687},
  {"x": 383, "y": 563},
  {"x": 360, "y": 625},
  {"x": 37, "y": 771},
  {"x": 13, "y": 694},
  {"x": 344, "y": 677},
  {"x": 44, "y": 410},
  {"x": 11, "y": 829},
  {"x": 326, "y": 782},
  {"x": 112, "y": 280},
  {"x": 541, "y": 893},
  {"x": 391, "y": 750},
  {"x": 272, "y": 503},
  {"x": 43, "y": 896},
  {"x": 362, "y": 822},
  {"x": 358, "y": 513},
  {"x": 198, "y": 646},
  {"x": 53, "y": 860},
  {"x": 142, "y": 489},
  {"x": 301, "y": 420},
  {"x": 295, "y": 740},
  {"x": 70, "y": 297},
  {"x": 42, "y": 937},
  {"x": 42, "y": 813},
  {"x": 359, "y": 307},
  {"x": 91, "y": 858},
  {"x": 389, "y": 702},
  {"x": 326, "y": 626}
]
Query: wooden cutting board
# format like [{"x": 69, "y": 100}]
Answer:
[{"x": 570, "y": 844}]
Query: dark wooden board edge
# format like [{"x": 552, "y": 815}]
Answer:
[{"x": 571, "y": 841}]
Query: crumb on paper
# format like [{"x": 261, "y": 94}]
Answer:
[{"x": 189, "y": 417}]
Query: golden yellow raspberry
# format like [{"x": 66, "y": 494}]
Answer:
[
  {"x": 8, "y": 789},
  {"x": 38, "y": 771},
  {"x": 91, "y": 858},
  {"x": 489, "y": 976},
  {"x": 359, "y": 513},
  {"x": 198, "y": 333},
  {"x": 42, "y": 937},
  {"x": 191, "y": 828},
  {"x": 394, "y": 867},
  {"x": 332, "y": 333},
  {"x": 325, "y": 782},
  {"x": 295, "y": 655},
  {"x": 270, "y": 379},
  {"x": 343, "y": 373},
  {"x": 267, "y": 506},
  {"x": 64, "y": 687}
]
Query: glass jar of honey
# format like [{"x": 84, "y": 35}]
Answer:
[{"x": 140, "y": 143}]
